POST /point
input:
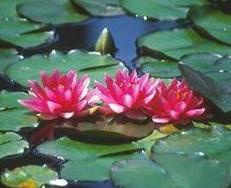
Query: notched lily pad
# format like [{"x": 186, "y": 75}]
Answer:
[
  {"x": 7, "y": 56},
  {"x": 94, "y": 65},
  {"x": 28, "y": 176},
  {"x": 11, "y": 144}
]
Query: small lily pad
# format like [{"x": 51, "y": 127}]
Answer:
[
  {"x": 101, "y": 7},
  {"x": 11, "y": 144},
  {"x": 28, "y": 176},
  {"x": 50, "y": 12}
]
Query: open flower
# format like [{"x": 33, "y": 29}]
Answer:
[
  {"x": 127, "y": 93},
  {"x": 59, "y": 95},
  {"x": 175, "y": 103}
]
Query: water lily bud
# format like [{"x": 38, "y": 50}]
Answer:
[{"x": 105, "y": 43}]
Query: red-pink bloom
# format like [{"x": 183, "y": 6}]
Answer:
[
  {"x": 175, "y": 103},
  {"x": 60, "y": 95},
  {"x": 127, "y": 93}
]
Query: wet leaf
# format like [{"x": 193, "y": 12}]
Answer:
[
  {"x": 30, "y": 176},
  {"x": 183, "y": 42},
  {"x": 210, "y": 75},
  {"x": 160, "y": 9},
  {"x": 15, "y": 119},
  {"x": 8, "y": 100},
  {"x": 158, "y": 68},
  {"x": 11, "y": 144},
  {"x": 50, "y": 11},
  {"x": 204, "y": 18},
  {"x": 101, "y": 7},
  {"x": 94, "y": 65}
]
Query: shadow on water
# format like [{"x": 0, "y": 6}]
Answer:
[{"x": 125, "y": 31}]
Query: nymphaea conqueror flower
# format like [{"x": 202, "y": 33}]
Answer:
[
  {"x": 59, "y": 95},
  {"x": 175, "y": 103},
  {"x": 127, "y": 93}
]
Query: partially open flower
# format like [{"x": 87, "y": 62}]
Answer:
[
  {"x": 60, "y": 95},
  {"x": 175, "y": 103},
  {"x": 127, "y": 93}
]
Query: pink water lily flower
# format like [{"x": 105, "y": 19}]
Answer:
[
  {"x": 60, "y": 95},
  {"x": 175, "y": 103},
  {"x": 127, "y": 93}
]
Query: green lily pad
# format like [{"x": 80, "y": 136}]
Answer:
[
  {"x": 8, "y": 100},
  {"x": 50, "y": 11},
  {"x": 14, "y": 120},
  {"x": 28, "y": 176},
  {"x": 75, "y": 150},
  {"x": 211, "y": 143},
  {"x": 11, "y": 144},
  {"x": 158, "y": 68},
  {"x": 13, "y": 31},
  {"x": 101, "y": 7},
  {"x": 204, "y": 18},
  {"x": 7, "y": 56},
  {"x": 94, "y": 65},
  {"x": 139, "y": 173},
  {"x": 209, "y": 75},
  {"x": 160, "y": 9},
  {"x": 82, "y": 170},
  {"x": 183, "y": 42}
]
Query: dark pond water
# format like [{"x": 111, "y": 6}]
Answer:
[{"x": 125, "y": 31}]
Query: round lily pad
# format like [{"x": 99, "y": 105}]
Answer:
[
  {"x": 50, "y": 11},
  {"x": 28, "y": 176},
  {"x": 11, "y": 144},
  {"x": 204, "y": 18},
  {"x": 95, "y": 65},
  {"x": 101, "y": 7},
  {"x": 183, "y": 42}
]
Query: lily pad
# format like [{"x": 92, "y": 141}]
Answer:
[
  {"x": 158, "y": 68},
  {"x": 94, "y": 65},
  {"x": 139, "y": 173},
  {"x": 7, "y": 56},
  {"x": 50, "y": 11},
  {"x": 75, "y": 150},
  {"x": 28, "y": 176},
  {"x": 11, "y": 144},
  {"x": 183, "y": 42},
  {"x": 14, "y": 120},
  {"x": 101, "y": 7},
  {"x": 15, "y": 32},
  {"x": 204, "y": 18},
  {"x": 8, "y": 100},
  {"x": 209, "y": 75},
  {"x": 160, "y": 9}
]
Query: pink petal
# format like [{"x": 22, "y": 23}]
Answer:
[
  {"x": 160, "y": 120},
  {"x": 127, "y": 100},
  {"x": 116, "y": 108},
  {"x": 81, "y": 105},
  {"x": 180, "y": 107},
  {"x": 52, "y": 106},
  {"x": 195, "y": 112},
  {"x": 174, "y": 114},
  {"x": 67, "y": 115}
]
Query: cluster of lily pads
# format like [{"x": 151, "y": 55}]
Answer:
[{"x": 103, "y": 146}]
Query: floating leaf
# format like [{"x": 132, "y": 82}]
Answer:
[
  {"x": 11, "y": 144},
  {"x": 204, "y": 18},
  {"x": 158, "y": 68},
  {"x": 94, "y": 65},
  {"x": 183, "y": 41},
  {"x": 8, "y": 100},
  {"x": 7, "y": 56},
  {"x": 160, "y": 9},
  {"x": 14, "y": 120},
  {"x": 50, "y": 12},
  {"x": 210, "y": 75},
  {"x": 101, "y": 7},
  {"x": 75, "y": 150},
  {"x": 30, "y": 176},
  {"x": 13, "y": 32},
  {"x": 139, "y": 173}
]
